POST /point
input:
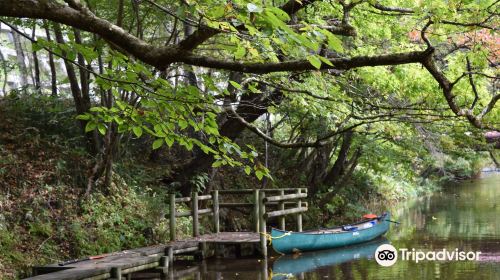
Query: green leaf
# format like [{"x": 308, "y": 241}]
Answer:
[
  {"x": 282, "y": 15},
  {"x": 217, "y": 164},
  {"x": 235, "y": 84},
  {"x": 252, "y": 8},
  {"x": 183, "y": 123},
  {"x": 248, "y": 170},
  {"x": 84, "y": 117},
  {"x": 90, "y": 126},
  {"x": 218, "y": 11},
  {"x": 158, "y": 143},
  {"x": 240, "y": 52},
  {"x": 169, "y": 141},
  {"x": 325, "y": 60},
  {"x": 315, "y": 61},
  {"x": 137, "y": 131},
  {"x": 36, "y": 47},
  {"x": 334, "y": 42},
  {"x": 259, "y": 174},
  {"x": 102, "y": 128}
]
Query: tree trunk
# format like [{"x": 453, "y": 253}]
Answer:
[
  {"x": 339, "y": 165},
  {"x": 231, "y": 128},
  {"x": 52, "y": 65},
  {"x": 21, "y": 62},
  {"x": 342, "y": 180},
  {"x": 73, "y": 80},
  {"x": 84, "y": 74},
  {"x": 36, "y": 66},
  {"x": 5, "y": 72}
]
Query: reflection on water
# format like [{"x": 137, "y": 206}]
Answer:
[
  {"x": 290, "y": 266},
  {"x": 464, "y": 216}
]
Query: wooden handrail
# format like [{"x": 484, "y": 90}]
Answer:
[
  {"x": 280, "y": 213},
  {"x": 204, "y": 197},
  {"x": 183, "y": 199},
  {"x": 259, "y": 204},
  {"x": 250, "y": 204},
  {"x": 285, "y": 197}
]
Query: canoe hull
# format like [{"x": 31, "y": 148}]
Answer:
[{"x": 290, "y": 242}]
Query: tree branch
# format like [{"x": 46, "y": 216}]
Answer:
[
  {"x": 305, "y": 65},
  {"x": 381, "y": 7}
]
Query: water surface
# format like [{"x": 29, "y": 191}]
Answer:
[{"x": 464, "y": 216}]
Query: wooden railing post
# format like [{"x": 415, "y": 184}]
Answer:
[
  {"x": 256, "y": 210},
  {"x": 194, "y": 209},
  {"x": 299, "y": 215},
  {"x": 170, "y": 253},
  {"x": 116, "y": 273},
  {"x": 282, "y": 207},
  {"x": 172, "y": 217},
  {"x": 215, "y": 204},
  {"x": 262, "y": 223}
]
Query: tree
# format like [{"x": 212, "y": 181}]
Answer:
[{"x": 246, "y": 59}]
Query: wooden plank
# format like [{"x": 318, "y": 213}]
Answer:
[
  {"x": 194, "y": 208},
  {"x": 229, "y": 237},
  {"x": 186, "y": 250},
  {"x": 285, "y": 212},
  {"x": 299, "y": 215},
  {"x": 215, "y": 205},
  {"x": 75, "y": 274},
  {"x": 262, "y": 223},
  {"x": 250, "y": 204},
  {"x": 172, "y": 218},
  {"x": 282, "y": 208},
  {"x": 183, "y": 214},
  {"x": 249, "y": 191},
  {"x": 204, "y": 197},
  {"x": 137, "y": 259},
  {"x": 256, "y": 210},
  {"x": 207, "y": 211},
  {"x": 183, "y": 199},
  {"x": 236, "y": 205},
  {"x": 140, "y": 267},
  {"x": 285, "y": 197},
  {"x": 242, "y": 191}
]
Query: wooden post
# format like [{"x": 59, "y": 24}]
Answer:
[
  {"x": 215, "y": 203},
  {"x": 163, "y": 267},
  {"x": 172, "y": 217},
  {"x": 202, "y": 249},
  {"x": 116, "y": 273},
  {"x": 262, "y": 224},
  {"x": 164, "y": 261},
  {"x": 170, "y": 253},
  {"x": 299, "y": 215},
  {"x": 256, "y": 209},
  {"x": 194, "y": 200},
  {"x": 282, "y": 207}
]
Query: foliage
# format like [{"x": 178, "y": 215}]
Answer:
[{"x": 359, "y": 101}]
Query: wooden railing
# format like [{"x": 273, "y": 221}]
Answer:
[{"x": 279, "y": 199}]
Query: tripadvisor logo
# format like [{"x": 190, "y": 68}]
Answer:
[{"x": 387, "y": 255}]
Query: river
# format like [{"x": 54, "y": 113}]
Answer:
[{"x": 465, "y": 216}]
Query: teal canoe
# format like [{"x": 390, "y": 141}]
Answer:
[{"x": 287, "y": 242}]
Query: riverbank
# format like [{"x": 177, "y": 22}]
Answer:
[{"x": 43, "y": 171}]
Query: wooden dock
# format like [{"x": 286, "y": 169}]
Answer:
[{"x": 159, "y": 259}]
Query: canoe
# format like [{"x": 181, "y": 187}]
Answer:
[
  {"x": 287, "y": 242},
  {"x": 291, "y": 265}
]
